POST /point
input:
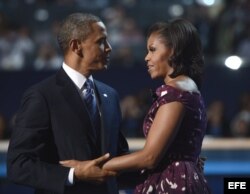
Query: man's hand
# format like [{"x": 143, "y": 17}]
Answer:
[{"x": 90, "y": 170}]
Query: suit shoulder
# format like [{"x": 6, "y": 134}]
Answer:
[
  {"x": 44, "y": 85},
  {"x": 105, "y": 86}
]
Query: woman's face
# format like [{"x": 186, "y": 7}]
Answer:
[{"x": 157, "y": 57}]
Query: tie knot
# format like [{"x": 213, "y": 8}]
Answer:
[{"x": 88, "y": 84}]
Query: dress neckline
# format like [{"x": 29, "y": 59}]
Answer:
[{"x": 163, "y": 88}]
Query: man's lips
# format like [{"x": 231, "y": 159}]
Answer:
[
  {"x": 150, "y": 67},
  {"x": 107, "y": 59}
]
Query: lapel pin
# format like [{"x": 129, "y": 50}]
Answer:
[{"x": 105, "y": 95}]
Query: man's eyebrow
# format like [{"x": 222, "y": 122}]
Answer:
[{"x": 101, "y": 38}]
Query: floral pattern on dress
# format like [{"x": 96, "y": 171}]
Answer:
[{"x": 178, "y": 172}]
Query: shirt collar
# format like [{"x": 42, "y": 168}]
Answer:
[{"x": 77, "y": 78}]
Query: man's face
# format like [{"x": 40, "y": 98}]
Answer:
[{"x": 96, "y": 49}]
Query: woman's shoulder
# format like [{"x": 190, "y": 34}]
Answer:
[{"x": 185, "y": 84}]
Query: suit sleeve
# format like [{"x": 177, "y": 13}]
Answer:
[
  {"x": 32, "y": 158},
  {"x": 122, "y": 145}
]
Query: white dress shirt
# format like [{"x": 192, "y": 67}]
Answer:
[{"x": 77, "y": 78}]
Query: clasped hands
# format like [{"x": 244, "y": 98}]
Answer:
[{"x": 90, "y": 170}]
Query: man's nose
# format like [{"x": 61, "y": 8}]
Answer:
[{"x": 108, "y": 47}]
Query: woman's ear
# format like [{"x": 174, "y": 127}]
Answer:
[{"x": 75, "y": 46}]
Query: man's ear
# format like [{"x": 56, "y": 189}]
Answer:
[{"x": 75, "y": 46}]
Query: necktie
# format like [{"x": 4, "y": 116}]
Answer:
[{"x": 91, "y": 103}]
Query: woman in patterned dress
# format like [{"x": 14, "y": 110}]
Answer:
[{"x": 175, "y": 124}]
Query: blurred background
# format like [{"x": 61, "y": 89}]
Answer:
[{"x": 29, "y": 53}]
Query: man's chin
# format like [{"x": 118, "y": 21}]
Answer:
[
  {"x": 106, "y": 66},
  {"x": 102, "y": 66}
]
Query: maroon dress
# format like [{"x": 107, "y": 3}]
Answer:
[{"x": 178, "y": 172}]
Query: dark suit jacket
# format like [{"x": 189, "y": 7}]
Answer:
[{"x": 52, "y": 125}]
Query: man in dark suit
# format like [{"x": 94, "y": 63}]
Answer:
[{"x": 55, "y": 123}]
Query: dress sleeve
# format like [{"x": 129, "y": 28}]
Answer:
[{"x": 170, "y": 95}]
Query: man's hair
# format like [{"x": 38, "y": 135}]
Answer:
[
  {"x": 75, "y": 26},
  {"x": 181, "y": 36}
]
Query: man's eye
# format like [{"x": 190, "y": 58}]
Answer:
[
  {"x": 101, "y": 41},
  {"x": 151, "y": 49}
]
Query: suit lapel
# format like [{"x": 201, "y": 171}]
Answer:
[
  {"x": 73, "y": 98},
  {"x": 102, "y": 98}
]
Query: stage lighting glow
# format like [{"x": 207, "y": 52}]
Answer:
[
  {"x": 176, "y": 10},
  {"x": 41, "y": 15},
  {"x": 233, "y": 62},
  {"x": 206, "y": 2}
]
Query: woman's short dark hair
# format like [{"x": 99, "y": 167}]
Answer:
[
  {"x": 181, "y": 36},
  {"x": 75, "y": 26}
]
